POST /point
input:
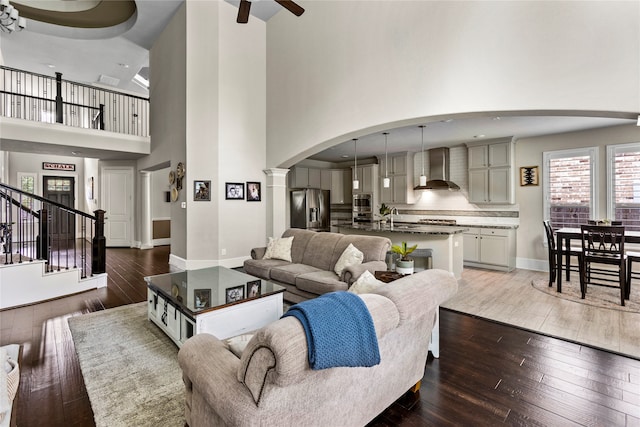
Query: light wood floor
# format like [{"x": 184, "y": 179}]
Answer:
[{"x": 510, "y": 298}]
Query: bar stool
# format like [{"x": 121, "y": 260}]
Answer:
[{"x": 426, "y": 254}]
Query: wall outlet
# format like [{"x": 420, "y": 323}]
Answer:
[{"x": 223, "y": 251}]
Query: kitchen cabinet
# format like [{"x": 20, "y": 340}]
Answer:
[
  {"x": 400, "y": 173},
  {"x": 493, "y": 248},
  {"x": 368, "y": 177},
  {"x": 304, "y": 177},
  {"x": 490, "y": 172},
  {"x": 340, "y": 186},
  {"x": 325, "y": 179}
]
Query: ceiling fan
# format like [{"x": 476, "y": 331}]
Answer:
[{"x": 245, "y": 8}]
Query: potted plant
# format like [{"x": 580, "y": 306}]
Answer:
[
  {"x": 405, "y": 264},
  {"x": 384, "y": 211}
]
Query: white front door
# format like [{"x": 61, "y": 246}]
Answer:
[{"x": 117, "y": 196}]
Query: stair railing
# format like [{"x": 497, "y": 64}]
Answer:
[{"x": 34, "y": 228}]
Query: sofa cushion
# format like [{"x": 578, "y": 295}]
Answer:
[
  {"x": 374, "y": 248},
  {"x": 320, "y": 282},
  {"x": 365, "y": 284},
  {"x": 288, "y": 273},
  {"x": 279, "y": 248},
  {"x": 319, "y": 251},
  {"x": 350, "y": 256},
  {"x": 262, "y": 267},
  {"x": 301, "y": 240}
]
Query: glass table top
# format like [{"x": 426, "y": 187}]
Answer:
[{"x": 210, "y": 288}]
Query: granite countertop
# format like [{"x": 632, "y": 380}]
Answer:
[{"x": 409, "y": 228}]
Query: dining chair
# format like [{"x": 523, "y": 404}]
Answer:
[
  {"x": 632, "y": 256},
  {"x": 553, "y": 253},
  {"x": 603, "y": 245}
]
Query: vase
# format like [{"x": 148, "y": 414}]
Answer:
[{"x": 404, "y": 267}]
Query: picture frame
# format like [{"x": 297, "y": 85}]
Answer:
[
  {"x": 233, "y": 294},
  {"x": 234, "y": 191},
  {"x": 529, "y": 176},
  {"x": 254, "y": 288},
  {"x": 202, "y": 191},
  {"x": 201, "y": 298},
  {"x": 254, "y": 191}
]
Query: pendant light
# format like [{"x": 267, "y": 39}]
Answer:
[
  {"x": 356, "y": 183},
  {"x": 423, "y": 177},
  {"x": 386, "y": 182}
]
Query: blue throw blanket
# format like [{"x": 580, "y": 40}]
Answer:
[{"x": 339, "y": 330}]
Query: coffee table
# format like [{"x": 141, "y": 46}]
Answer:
[{"x": 214, "y": 300}]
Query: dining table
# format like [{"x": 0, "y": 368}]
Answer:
[{"x": 566, "y": 234}]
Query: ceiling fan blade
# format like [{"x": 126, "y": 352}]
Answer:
[
  {"x": 243, "y": 12},
  {"x": 291, "y": 7}
]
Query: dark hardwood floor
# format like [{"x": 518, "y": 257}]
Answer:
[{"x": 487, "y": 373}]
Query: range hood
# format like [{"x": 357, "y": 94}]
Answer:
[{"x": 438, "y": 171}]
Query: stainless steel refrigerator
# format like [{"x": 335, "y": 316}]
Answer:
[{"x": 310, "y": 209}]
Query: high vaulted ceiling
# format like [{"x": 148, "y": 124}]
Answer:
[{"x": 84, "y": 49}]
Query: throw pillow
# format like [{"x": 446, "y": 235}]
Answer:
[
  {"x": 350, "y": 256},
  {"x": 239, "y": 343},
  {"x": 365, "y": 284},
  {"x": 279, "y": 248}
]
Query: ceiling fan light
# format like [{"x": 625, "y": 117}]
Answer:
[{"x": 386, "y": 182}]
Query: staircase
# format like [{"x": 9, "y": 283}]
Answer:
[{"x": 47, "y": 250}]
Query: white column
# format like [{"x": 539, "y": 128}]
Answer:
[
  {"x": 146, "y": 241},
  {"x": 276, "y": 198}
]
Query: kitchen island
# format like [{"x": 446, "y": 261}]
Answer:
[{"x": 445, "y": 241}]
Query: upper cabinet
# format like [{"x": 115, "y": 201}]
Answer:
[
  {"x": 304, "y": 177},
  {"x": 490, "y": 171},
  {"x": 337, "y": 181},
  {"x": 340, "y": 186},
  {"x": 368, "y": 177},
  {"x": 400, "y": 174}
]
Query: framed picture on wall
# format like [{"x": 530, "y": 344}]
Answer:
[
  {"x": 234, "y": 191},
  {"x": 253, "y": 192},
  {"x": 201, "y": 190},
  {"x": 529, "y": 176}
]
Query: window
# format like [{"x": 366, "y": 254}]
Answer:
[
  {"x": 623, "y": 184},
  {"x": 27, "y": 182},
  {"x": 570, "y": 191}
]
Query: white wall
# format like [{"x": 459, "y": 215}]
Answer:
[
  {"x": 529, "y": 153},
  {"x": 159, "y": 185},
  {"x": 346, "y": 68}
]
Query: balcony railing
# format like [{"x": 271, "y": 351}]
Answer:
[{"x": 46, "y": 99}]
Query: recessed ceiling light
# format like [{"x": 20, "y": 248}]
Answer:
[
  {"x": 344, "y": 156},
  {"x": 447, "y": 121},
  {"x": 50, "y": 65},
  {"x": 479, "y": 136},
  {"x": 123, "y": 65},
  {"x": 497, "y": 118}
]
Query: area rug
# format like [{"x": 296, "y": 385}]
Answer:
[
  {"x": 597, "y": 296},
  {"x": 130, "y": 368}
]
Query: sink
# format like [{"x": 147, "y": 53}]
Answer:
[{"x": 404, "y": 227}]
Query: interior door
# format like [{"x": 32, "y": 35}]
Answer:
[
  {"x": 117, "y": 197},
  {"x": 60, "y": 189}
]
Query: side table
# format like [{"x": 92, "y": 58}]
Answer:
[{"x": 434, "y": 343}]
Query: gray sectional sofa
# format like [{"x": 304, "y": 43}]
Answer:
[
  {"x": 271, "y": 384},
  {"x": 313, "y": 258}
]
